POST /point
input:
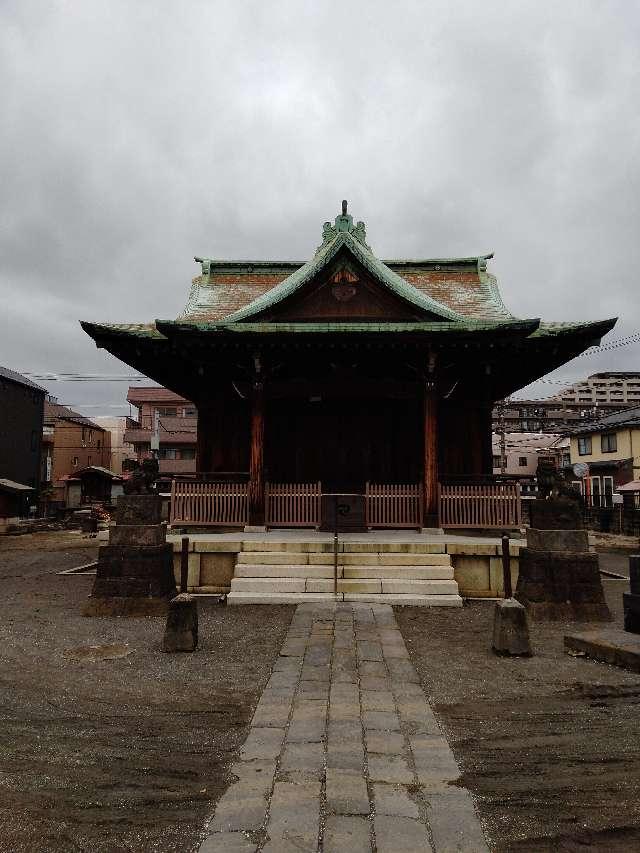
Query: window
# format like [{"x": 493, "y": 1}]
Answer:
[
  {"x": 190, "y": 413},
  {"x": 522, "y": 461},
  {"x": 497, "y": 461},
  {"x": 90, "y": 436},
  {"x": 167, "y": 453},
  {"x": 596, "y": 493},
  {"x": 584, "y": 445},
  {"x": 188, "y": 453},
  {"x": 608, "y": 442},
  {"x": 75, "y": 461},
  {"x": 167, "y": 411},
  {"x": 607, "y": 485}
]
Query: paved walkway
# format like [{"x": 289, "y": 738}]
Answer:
[{"x": 344, "y": 752}]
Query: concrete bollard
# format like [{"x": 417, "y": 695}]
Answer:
[
  {"x": 510, "y": 629},
  {"x": 181, "y": 632}
]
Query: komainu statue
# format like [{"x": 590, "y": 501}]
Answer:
[{"x": 142, "y": 476}]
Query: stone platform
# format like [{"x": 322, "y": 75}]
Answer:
[
  {"x": 609, "y": 645},
  {"x": 216, "y": 559},
  {"x": 344, "y": 752}
]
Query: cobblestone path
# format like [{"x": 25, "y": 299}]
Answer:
[{"x": 344, "y": 752}]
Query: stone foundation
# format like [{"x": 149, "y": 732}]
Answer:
[
  {"x": 559, "y": 579},
  {"x": 134, "y": 575}
]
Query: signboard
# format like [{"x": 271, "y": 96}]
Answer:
[{"x": 581, "y": 469}]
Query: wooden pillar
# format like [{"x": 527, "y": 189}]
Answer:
[
  {"x": 203, "y": 445},
  {"x": 431, "y": 518},
  {"x": 256, "y": 451}
]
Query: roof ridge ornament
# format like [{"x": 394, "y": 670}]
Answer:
[{"x": 343, "y": 223}]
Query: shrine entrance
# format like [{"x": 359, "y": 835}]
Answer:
[{"x": 344, "y": 443}]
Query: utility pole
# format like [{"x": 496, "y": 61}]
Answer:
[
  {"x": 501, "y": 433},
  {"x": 155, "y": 435}
]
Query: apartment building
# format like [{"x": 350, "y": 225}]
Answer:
[
  {"x": 621, "y": 389},
  {"x": 177, "y": 428}
]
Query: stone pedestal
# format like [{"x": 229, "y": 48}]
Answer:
[
  {"x": 135, "y": 570},
  {"x": 631, "y": 600},
  {"x": 181, "y": 633},
  {"x": 559, "y": 578},
  {"x": 510, "y": 629}
]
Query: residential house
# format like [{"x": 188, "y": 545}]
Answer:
[
  {"x": 610, "y": 446},
  {"x": 177, "y": 420},
  {"x": 21, "y": 415},
  {"x": 71, "y": 443},
  {"x": 523, "y": 450}
]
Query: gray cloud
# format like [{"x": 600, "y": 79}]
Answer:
[{"x": 137, "y": 135}]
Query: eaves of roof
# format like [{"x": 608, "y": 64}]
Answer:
[{"x": 465, "y": 327}]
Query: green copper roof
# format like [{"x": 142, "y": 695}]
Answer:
[
  {"x": 168, "y": 327},
  {"x": 352, "y": 237}
]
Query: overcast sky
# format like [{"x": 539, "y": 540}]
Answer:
[{"x": 136, "y": 135}]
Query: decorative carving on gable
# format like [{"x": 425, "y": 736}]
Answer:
[{"x": 343, "y": 284}]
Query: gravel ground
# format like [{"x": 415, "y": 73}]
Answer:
[
  {"x": 123, "y": 754},
  {"x": 550, "y": 746}
]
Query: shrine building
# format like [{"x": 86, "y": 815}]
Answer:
[{"x": 346, "y": 375}]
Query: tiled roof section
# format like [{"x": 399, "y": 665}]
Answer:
[
  {"x": 12, "y": 376},
  {"x": 154, "y": 394},
  {"x": 616, "y": 420},
  {"x": 465, "y": 290},
  {"x": 219, "y": 296},
  {"x": 461, "y": 285},
  {"x": 54, "y": 411}
]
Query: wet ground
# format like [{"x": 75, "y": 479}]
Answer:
[
  {"x": 550, "y": 746},
  {"x": 124, "y": 748}
]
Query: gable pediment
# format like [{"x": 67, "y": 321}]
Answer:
[
  {"x": 344, "y": 291},
  {"x": 344, "y": 281}
]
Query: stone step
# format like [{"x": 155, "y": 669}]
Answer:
[
  {"x": 237, "y": 598},
  {"x": 397, "y": 586},
  {"x": 373, "y": 558},
  {"x": 278, "y": 571},
  {"x": 394, "y": 586},
  {"x": 326, "y": 547},
  {"x": 407, "y": 599},
  {"x": 387, "y": 572},
  {"x": 444, "y": 572}
]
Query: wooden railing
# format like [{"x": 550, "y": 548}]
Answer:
[
  {"x": 486, "y": 505},
  {"x": 293, "y": 504},
  {"x": 209, "y": 504},
  {"x": 393, "y": 505}
]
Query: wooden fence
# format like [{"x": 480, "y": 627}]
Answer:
[
  {"x": 495, "y": 505},
  {"x": 393, "y": 505},
  {"x": 293, "y": 504},
  {"x": 209, "y": 504}
]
